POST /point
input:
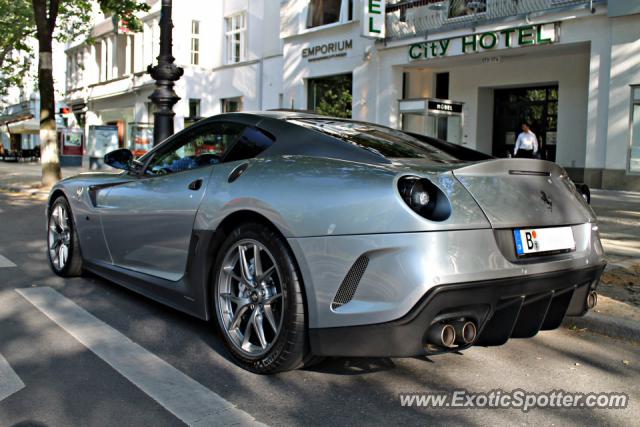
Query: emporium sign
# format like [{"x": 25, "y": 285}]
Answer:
[
  {"x": 528, "y": 35},
  {"x": 327, "y": 50}
]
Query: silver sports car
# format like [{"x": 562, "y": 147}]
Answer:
[{"x": 304, "y": 236}]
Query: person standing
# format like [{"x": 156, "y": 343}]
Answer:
[{"x": 526, "y": 144}]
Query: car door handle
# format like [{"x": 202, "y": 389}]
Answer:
[{"x": 195, "y": 185}]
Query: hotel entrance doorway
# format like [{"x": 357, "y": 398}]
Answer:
[{"x": 537, "y": 106}]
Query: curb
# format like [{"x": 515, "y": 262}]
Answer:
[{"x": 615, "y": 327}]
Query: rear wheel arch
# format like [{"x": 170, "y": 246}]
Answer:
[
  {"x": 250, "y": 225},
  {"x": 226, "y": 227}
]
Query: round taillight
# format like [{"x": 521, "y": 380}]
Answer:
[{"x": 424, "y": 198}]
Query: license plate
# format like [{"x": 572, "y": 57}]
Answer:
[{"x": 544, "y": 240}]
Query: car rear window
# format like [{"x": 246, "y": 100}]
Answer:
[{"x": 386, "y": 142}]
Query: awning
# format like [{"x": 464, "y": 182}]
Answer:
[{"x": 19, "y": 123}]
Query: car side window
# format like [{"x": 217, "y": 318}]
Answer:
[
  {"x": 252, "y": 142},
  {"x": 200, "y": 149}
]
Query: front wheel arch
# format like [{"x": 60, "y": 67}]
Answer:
[{"x": 54, "y": 196}]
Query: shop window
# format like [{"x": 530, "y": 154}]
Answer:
[
  {"x": 195, "y": 42},
  {"x": 231, "y": 105},
  {"x": 634, "y": 157},
  {"x": 326, "y": 12},
  {"x": 331, "y": 96},
  {"x": 236, "y": 38},
  {"x": 462, "y": 8}
]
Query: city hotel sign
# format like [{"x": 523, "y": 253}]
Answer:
[
  {"x": 528, "y": 35},
  {"x": 327, "y": 50},
  {"x": 373, "y": 24}
]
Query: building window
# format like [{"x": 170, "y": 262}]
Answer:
[
  {"x": 195, "y": 42},
  {"x": 236, "y": 35},
  {"x": 194, "y": 112},
  {"x": 634, "y": 157},
  {"x": 461, "y": 8},
  {"x": 325, "y": 12},
  {"x": 232, "y": 105},
  {"x": 194, "y": 108},
  {"x": 331, "y": 96}
]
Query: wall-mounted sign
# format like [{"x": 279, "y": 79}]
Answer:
[
  {"x": 528, "y": 35},
  {"x": 71, "y": 143},
  {"x": 373, "y": 22},
  {"x": 327, "y": 50},
  {"x": 444, "y": 107}
]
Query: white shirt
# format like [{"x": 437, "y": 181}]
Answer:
[{"x": 526, "y": 141}]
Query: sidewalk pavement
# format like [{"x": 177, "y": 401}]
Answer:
[
  {"x": 618, "y": 310},
  {"x": 25, "y": 177}
]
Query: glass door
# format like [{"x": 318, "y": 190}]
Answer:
[{"x": 537, "y": 106}]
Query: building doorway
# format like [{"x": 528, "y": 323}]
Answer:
[{"x": 537, "y": 106}]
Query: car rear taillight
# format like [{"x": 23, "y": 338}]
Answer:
[{"x": 424, "y": 198}]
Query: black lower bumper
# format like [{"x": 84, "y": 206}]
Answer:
[{"x": 516, "y": 307}]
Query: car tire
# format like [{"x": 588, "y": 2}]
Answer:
[
  {"x": 63, "y": 246},
  {"x": 277, "y": 341}
]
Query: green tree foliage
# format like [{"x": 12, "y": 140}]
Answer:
[
  {"x": 16, "y": 21},
  {"x": 335, "y": 103},
  {"x": 46, "y": 20}
]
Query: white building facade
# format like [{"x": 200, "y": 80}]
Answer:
[
  {"x": 230, "y": 52},
  {"x": 473, "y": 72},
  {"x": 467, "y": 71}
]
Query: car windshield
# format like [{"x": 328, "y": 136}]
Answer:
[{"x": 386, "y": 142}]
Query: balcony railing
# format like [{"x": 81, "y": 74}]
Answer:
[{"x": 411, "y": 18}]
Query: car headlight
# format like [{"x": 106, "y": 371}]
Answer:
[{"x": 424, "y": 198}]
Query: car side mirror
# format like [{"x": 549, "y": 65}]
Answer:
[{"x": 119, "y": 159}]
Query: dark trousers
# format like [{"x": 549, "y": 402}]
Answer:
[{"x": 525, "y": 154}]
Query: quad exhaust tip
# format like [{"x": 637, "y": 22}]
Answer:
[
  {"x": 466, "y": 332},
  {"x": 592, "y": 300},
  {"x": 442, "y": 335},
  {"x": 450, "y": 334}
]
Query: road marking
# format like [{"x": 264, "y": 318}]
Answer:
[
  {"x": 4, "y": 262},
  {"x": 184, "y": 397},
  {"x": 10, "y": 382}
]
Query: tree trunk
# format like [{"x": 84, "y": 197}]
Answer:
[{"x": 45, "y": 18}]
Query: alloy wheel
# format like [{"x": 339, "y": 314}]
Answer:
[
  {"x": 250, "y": 299},
  {"x": 59, "y": 236}
]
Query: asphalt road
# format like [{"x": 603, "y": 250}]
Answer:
[{"x": 83, "y": 370}]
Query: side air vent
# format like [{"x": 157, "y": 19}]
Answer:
[{"x": 350, "y": 283}]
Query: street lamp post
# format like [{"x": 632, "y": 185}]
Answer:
[{"x": 165, "y": 74}]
